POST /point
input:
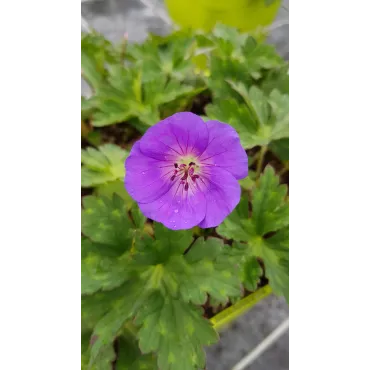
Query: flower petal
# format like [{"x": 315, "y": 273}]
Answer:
[
  {"x": 177, "y": 209},
  {"x": 146, "y": 178},
  {"x": 222, "y": 193},
  {"x": 176, "y": 136},
  {"x": 225, "y": 150}
]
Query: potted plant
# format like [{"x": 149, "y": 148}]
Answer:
[{"x": 152, "y": 296}]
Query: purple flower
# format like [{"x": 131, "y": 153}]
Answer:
[{"x": 183, "y": 172}]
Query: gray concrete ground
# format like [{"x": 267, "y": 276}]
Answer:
[{"x": 115, "y": 17}]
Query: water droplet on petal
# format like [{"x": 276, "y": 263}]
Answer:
[
  {"x": 143, "y": 173},
  {"x": 186, "y": 221},
  {"x": 176, "y": 210}
]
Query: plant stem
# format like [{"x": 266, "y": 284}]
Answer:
[{"x": 260, "y": 161}]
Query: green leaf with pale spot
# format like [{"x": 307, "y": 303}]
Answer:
[
  {"x": 175, "y": 331},
  {"x": 110, "y": 325},
  {"x": 270, "y": 214},
  {"x": 102, "y": 165},
  {"x": 259, "y": 121},
  {"x": 95, "y": 306},
  {"x": 102, "y": 268},
  {"x": 213, "y": 271},
  {"x": 105, "y": 221},
  {"x": 205, "y": 269}
]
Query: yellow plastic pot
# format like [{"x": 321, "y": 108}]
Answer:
[{"x": 246, "y": 15}]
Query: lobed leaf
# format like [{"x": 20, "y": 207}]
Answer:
[
  {"x": 259, "y": 121},
  {"x": 270, "y": 214},
  {"x": 106, "y": 221},
  {"x": 176, "y": 331},
  {"x": 104, "y": 360},
  {"x": 102, "y": 268},
  {"x": 102, "y": 165}
]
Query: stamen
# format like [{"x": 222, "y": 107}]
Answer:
[
  {"x": 176, "y": 165},
  {"x": 191, "y": 164},
  {"x": 173, "y": 177},
  {"x": 186, "y": 187},
  {"x": 185, "y": 176}
]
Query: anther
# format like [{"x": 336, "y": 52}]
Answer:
[
  {"x": 191, "y": 164},
  {"x": 186, "y": 186},
  {"x": 176, "y": 165}
]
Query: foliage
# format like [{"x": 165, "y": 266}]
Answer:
[
  {"x": 145, "y": 287},
  {"x": 269, "y": 216},
  {"x": 103, "y": 165}
]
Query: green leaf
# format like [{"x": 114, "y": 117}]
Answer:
[
  {"x": 240, "y": 58},
  {"x": 103, "y": 362},
  {"x": 252, "y": 273},
  {"x": 102, "y": 267},
  {"x": 106, "y": 221},
  {"x": 167, "y": 243},
  {"x": 176, "y": 331},
  {"x": 259, "y": 121},
  {"x": 259, "y": 56},
  {"x": 169, "y": 56},
  {"x": 248, "y": 182},
  {"x": 270, "y": 208},
  {"x": 276, "y": 258},
  {"x": 276, "y": 79},
  {"x": 213, "y": 271},
  {"x": 270, "y": 211},
  {"x": 110, "y": 325},
  {"x": 102, "y": 165},
  {"x": 96, "y": 52},
  {"x": 130, "y": 357},
  {"x": 270, "y": 214},
  {"x": 95, "y": 306},
  {"x": 114, "y": 187},
  {"x": 237, "y": 226},
  {"x": 281, "y": 148},
  {"x": 87, "y": 107}
]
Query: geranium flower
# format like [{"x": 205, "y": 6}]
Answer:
[{"x": 183, "y": 172}]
